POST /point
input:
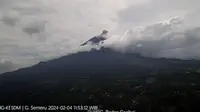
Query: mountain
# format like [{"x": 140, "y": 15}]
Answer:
[
  {"x": 101, "y": 61},
  {"x": 98, "y": 77}
]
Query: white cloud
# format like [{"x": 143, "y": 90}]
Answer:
[{"x": 170, "y": 39}]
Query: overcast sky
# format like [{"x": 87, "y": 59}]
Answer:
[{"x": 36, "y": 30}]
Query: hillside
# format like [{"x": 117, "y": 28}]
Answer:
[{"x": 106, "y": 78}]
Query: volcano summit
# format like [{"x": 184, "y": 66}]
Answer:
[{"x": 107, "y": 78}]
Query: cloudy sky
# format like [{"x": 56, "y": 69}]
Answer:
[{"x": 36, "y": 30}]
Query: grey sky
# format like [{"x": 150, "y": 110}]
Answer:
[
  {"x": 36, "y": 30},
  {"x": 158, "y": 10}
]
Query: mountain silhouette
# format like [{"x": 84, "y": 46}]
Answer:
[
  {"x": 53, "y": 81},
  {"x": 101, "y": 61}
]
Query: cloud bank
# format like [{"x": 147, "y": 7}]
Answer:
[{"x": 168, "y": 39}]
